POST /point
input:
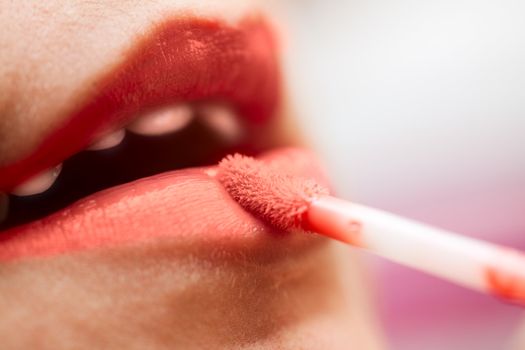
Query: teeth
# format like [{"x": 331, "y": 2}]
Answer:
[
  {"x": 108, "y": 141},
  {"x": 163, "y": 121},
  {"x": 39, "y": 183},
  {"x": 4, "y": 206},
  {"x": 222, "y": 120}
]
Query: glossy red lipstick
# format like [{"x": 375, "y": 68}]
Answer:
[
  {"x": 186, "y": 60},
  {"x": 188, "y": 207}
]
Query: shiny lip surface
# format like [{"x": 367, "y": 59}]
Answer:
[
  {"x": 188, "y": 60},
  {"x": 189, "y": 205}
]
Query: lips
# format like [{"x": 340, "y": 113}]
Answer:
[{"x": 181, "y": 62}]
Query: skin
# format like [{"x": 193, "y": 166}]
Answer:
[
  {"x": 519, "y": 340},
  {"x": 163, "y": 294}
]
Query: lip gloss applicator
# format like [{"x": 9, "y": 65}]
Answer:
[{"x": 289, "y": 202}]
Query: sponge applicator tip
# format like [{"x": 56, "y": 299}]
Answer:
[{"x": 268, "y": 192}]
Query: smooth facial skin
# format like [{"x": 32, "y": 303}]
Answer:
[{"x": 293, "y": 292}]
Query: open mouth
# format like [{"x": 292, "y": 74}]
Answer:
[
  {"x": 191, "y": 92},
  {"x": 170, "y": 138}
]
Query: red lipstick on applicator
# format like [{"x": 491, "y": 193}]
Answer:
[{"x": 288, "y": 202}]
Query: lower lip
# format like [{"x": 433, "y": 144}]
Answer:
[{"x": 188, "y": 205}]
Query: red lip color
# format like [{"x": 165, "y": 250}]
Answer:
[
  {"x": 187, "y": 206},
  {"x": 179, "y": 60}
]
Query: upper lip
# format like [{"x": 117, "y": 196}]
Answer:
[
  {"x": 180, "y": 60},
  {"x": 188, "y": 59}
]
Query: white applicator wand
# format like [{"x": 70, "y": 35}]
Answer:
[{"x": 290, "y": 202}]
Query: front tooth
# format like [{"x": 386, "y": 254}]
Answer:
[
  {"x": 108, "y": 141},
  {"x": 4, "y": 206},
  {"x": 223, "y": 121},
  {"x": 163, "y": 121},
  {"x": 39, "y": 183}
]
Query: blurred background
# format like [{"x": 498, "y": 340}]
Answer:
[{"x": 418, "y": 107}]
